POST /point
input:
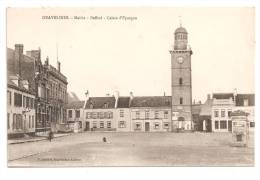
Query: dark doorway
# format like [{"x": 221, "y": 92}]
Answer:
[
  {"x": 147, "y": 126},
  {"x": 87, "y": 126}
]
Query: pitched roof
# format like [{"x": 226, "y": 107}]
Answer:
[
  {"x": 123, "y": 102},
  {"x": 196, "y": 108},
  {"x": 11, "y": 84},
  {"x": 151, "y": 101},
  {"x": 99, "y": 102},
  {"x": 27, "y": 65},
  {"x": 223, "y": 95},
  {"x": 206, "y": 108},
  {"x": 72, "y": 97},
  {"x": 75, "y": 105},
  {"x": 241, "y": 97}
]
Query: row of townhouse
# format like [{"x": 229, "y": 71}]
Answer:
[
  {"x": 215, "y": 114},
  {"x": 153, "y": 113},
  {"x": 45, "y": 83},
  {"x": 122, "y": 114},
  {"x": 224, "y": 104}
]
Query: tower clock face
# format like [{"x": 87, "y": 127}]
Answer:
[{"x": 180, "y": 59}]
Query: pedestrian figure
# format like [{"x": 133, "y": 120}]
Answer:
[
  {"x": 50, "y": 135},
  {"x": 104, "y": 139}
]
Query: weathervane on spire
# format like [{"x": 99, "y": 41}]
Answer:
[{"x": 180, "y": 21}]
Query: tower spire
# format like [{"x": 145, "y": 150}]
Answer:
[
  {"x": 57, "y": 53},
  {"x": 180, "y": 21}
]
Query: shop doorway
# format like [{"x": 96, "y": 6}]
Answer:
[
  {"x": 147, "y": 126},
  {"x": 87, "y": 126}
]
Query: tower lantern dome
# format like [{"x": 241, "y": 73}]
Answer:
[
  {"x": 180, "y": 30},
  {"x": 181, "y": 38}
]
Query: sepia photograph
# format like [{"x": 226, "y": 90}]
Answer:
[{"x": 130, "y": 87}]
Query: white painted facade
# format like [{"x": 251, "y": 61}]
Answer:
[
  {"x": 99, "y": 119},
  {"x": 75, "y": 119},
  {"x": 123, "y": 119},
  {"x": 221, "y": 111},
  {"x": 20, "y": 118},
  {"x": 250, "y": 110},
  {"x": 147, "y": 119}
]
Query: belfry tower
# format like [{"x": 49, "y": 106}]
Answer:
[{"x": 181, "y": 82}]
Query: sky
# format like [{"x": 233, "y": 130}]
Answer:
[{"x": 103, "y": 56}]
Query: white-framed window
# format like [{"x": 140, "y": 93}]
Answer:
[
  {"x": 137, "y": 114},
  {"x": 110, "y": 115},
  {"x": 32, "y": 121},
  {"x": 165, "y": 114},
  {"x": 101, "y": 115},
  {"x": 94, "y": 124},
  {"x": 121, "y": 113},
  {"x": 94, "y": 115},
  {"x": 138, "y": 126},
  {"x": 147, "y": 114},
  {"x": 106, "y": 115},
  {"x": 70, "y": 113},
  {"x": 77, "y": 113},
  {"x": 101, "y": 124},
  {"x": 223, "y": 124},
  {"x": 223, "y": 112},
  {"x": 166, "y": 125},
  {"x": 108, "y": 124},
  {"x": 18, "y": 99},
  {"x": 156, "y": 125},
  {"x": 122, "y": 124},
  {"x": 156, "y": 114},
  {"x": 88, "y": 115},
  {"x": 216, "y": 113},
  {"x": 229, "y": 113}
]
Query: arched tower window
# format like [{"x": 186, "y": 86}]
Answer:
[
  {"x": 181, "y": 100},
  {"x": 180, "y": 81}
]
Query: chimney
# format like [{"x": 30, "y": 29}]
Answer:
[
  {"x": 86, "y": 100},
  {"x": 58, "y": 65},
  {"x": 208, "y": 97},
  {"x": 36, "y": 54},
  {"x": 131, "y": 95},
  {"x": 164, "y": 94},
  {"x": 116, "y": 95},
  {"x": 18, "y": 58}
]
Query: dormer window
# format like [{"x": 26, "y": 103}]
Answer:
[
  {"x": 245, "y": 102},
  {"x": 106, "y": 105},
  {"x": 91, "y": 106}
]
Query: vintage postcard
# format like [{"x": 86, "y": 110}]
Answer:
[{"x": 130, "y": 86}]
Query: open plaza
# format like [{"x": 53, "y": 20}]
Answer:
[{"x": 133, "y": 149}]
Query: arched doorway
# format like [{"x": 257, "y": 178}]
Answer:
[{"x": 181, "y": 122}]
